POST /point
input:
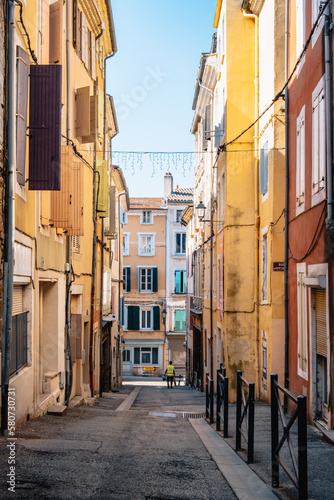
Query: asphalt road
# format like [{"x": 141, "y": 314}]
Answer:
[{"x": 147, "y": 452}]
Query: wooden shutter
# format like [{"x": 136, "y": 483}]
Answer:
[
  {"x": 177, "y": 279},
  {"x": 207, "y": 122},
  {"x": 45, "y": 21},
  {"x": 102, "y": 188},
  {"x": 76, "y": 337},
  {"x": 45, "y": 127},
  {"x": 128, "y": 278},
  {"x": 156, "y": 318},
  {"x": 321, "y": 322},
  {"x": 93, "y": 55},
  {"x": 67, "y": 205},
  {"x": 100, "y": 113},
  {"x": 92, "y": 121},
  {"x": 155, "y": 279},
  {"x": 22, "y": 69},
  {"x": 82, "y": 109},
  {"x": 56, "y": 32},
  {"x": 133, "y": 317},
  {"x": 84, "y": 40}
]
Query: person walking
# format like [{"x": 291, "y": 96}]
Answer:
[{"x": 170, "y": 373}]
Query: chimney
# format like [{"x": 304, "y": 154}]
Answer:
[{"x": 168, "y": 184}]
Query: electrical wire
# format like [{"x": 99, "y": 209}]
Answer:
[
  {"x": 32, "y": 53},
  {"x": 76, "y": 152},
  {"x": 280, "y": 93},
  {"x": 314, "y": 239}
]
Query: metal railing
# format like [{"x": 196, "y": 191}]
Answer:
[
  {"x": 222, "y": 401},
  {"x": 245, "y": 414},
  {"x": 209, "y": 398},
  {"x": 299, "y": 473}
]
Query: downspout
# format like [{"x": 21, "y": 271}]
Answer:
[
  {"x": 329, "y": 220},
  {"x": 92, "y": 304},
  {"x": 120, "y": 275},
  {"x": 256, "y": 193},
  {"x": 68, "y": 359},
  {"x": 10, "y": 222},
  {"x": 286, "y": 214}
]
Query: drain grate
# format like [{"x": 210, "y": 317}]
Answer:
[{"x": 193, "y": 415}]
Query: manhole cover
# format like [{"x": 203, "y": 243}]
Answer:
[{"x": 162, "y": 414}]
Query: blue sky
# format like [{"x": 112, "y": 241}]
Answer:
[{"x": 152, "y": 78}]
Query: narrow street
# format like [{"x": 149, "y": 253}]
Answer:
[{"x": 147, "y": 452}]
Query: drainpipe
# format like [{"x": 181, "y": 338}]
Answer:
[
  {"x": 120, "y": 274},
  {"x": 92, "y": 304},
  {"x": 328, "y": 102},
  {"x": 256, "y": 192},
  {"x": 286, "y": 214},
  {"x": 10, "y": 222},
  {"x": 68, "y": 360}
]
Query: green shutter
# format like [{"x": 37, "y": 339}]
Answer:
[
  {"x": 155, "y": 279},
  {"x": 133, "y": 317},
  {"x": 156, "y": 318},
  {"x": 177, "y": 281},
  {"x": 128, "y": 279},
  {"x": 184, "y": 281}
]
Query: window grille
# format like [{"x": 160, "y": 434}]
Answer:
[{"x": 18, "y": 343}]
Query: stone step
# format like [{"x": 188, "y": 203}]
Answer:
[
  {"x": 77, "y": 401},
  {"x": 57, "y": 410}
]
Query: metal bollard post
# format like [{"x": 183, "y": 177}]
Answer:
[
  {"x": 225, "y": 407},
  {"x": 302, "y": 447},
  {"x": 207, "y": 396},
  {"x": 238, "y": 415},
  {"x": 211, "y": 401},
  {"x": 218, "y": 401},
  {"x": 274, "y": 433},
  {"x": 251, "y": 396}
]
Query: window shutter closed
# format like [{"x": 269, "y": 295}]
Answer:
[
  {"x": 21, "y": 112},
  {"x": 321, "y": 323},
  {"x": 45, "y": 127},
  {"x": 155, "y": 355},
  {"x": 136, "y": 355},
  {"x": 155, "y": 279},
  {"x": 133, "y": 317},
  {"x": 128, "y": 279},
  {"x": 156, "y": 318},
  {"x": 17, "y": 300}
]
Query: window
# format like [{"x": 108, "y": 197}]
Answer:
[
  {"x": 127, "y": 356},
  {"x": 146, "y": 319},
  {"x": 180, "y": 281},
  {"x": 147, "y": 217},
  {"x": 318, "y": 140},
  {"x": 302, "y": 321},
  {"x": 264, "y": 168},
  {"x": 146, "y": 356},
  {"x": 264, "y": 291},
  {"x": 146, "y": 244},
  {"x": 126, "y": 243},
  {"x": 300, "y": 160},
  {"x": 22, "y": 77},
  {"x": 300, "y": 26},
  {"x": 126, "y": 279},
  {"x": 178, "y": 215},
  {"x": 18, "y": 344},
  {"x": 180, "y": 320},
  {"x": 180, "y": 239},
  {"x": 148, "y": 279}
]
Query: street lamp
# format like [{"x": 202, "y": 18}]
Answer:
[{"x": 201, "y": 213}]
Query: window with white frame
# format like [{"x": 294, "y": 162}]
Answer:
[
  {"x": 264, "y": 168},
  {"x": 300, "y": 160},
  {"x": 146, "y": 316},
  {"x": 147, "y": 217},
  {"x": 180, "y": 243},
  {"x": 146, "y": 244},
  {"x": 146, "y": 355},
  {"x": 318, "y": 139},
  {"x": 127, "y": 356},
  {"x": 126, "y": 237},
  {"x": 302, "y": 320},
  {"x": 300, "y": 26},
  {"x": 264, "y": 287},
  {"x": 148, "y": 279}
]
